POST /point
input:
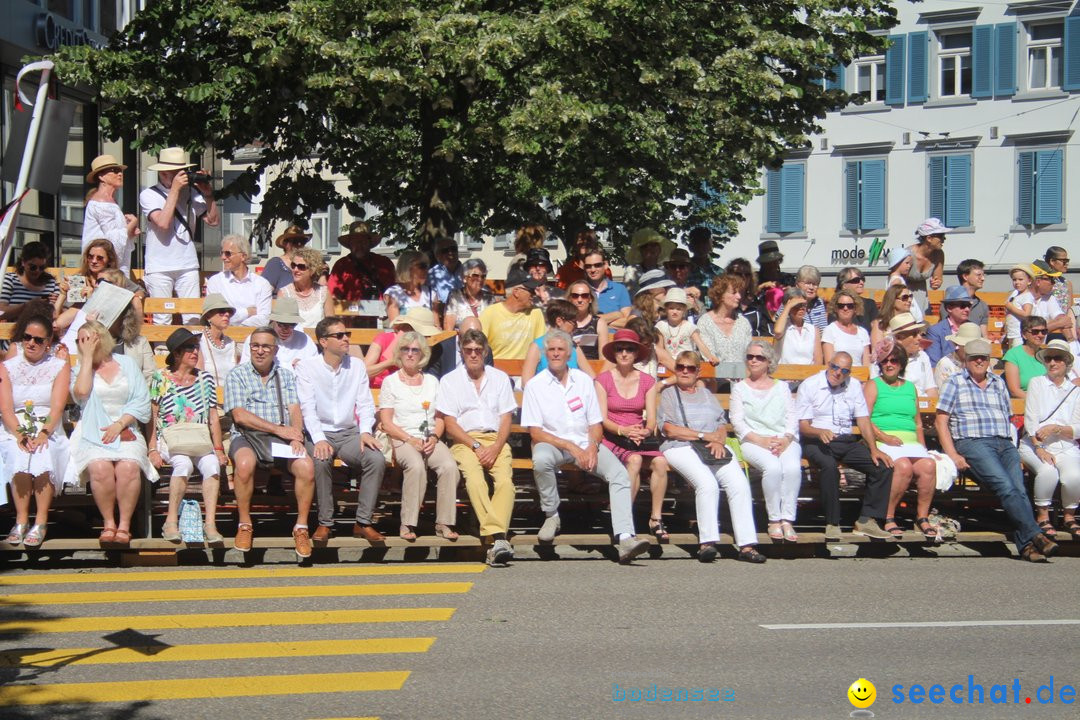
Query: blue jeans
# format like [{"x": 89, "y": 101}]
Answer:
[{"x": 995, "y": 462}]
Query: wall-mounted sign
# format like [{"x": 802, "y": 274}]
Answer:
[
  {"x": 52, "y": 33},
  {"x": 859, "y": 256}
]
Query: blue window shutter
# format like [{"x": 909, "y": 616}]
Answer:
[
  {"x": 851, "y": 196},
  {"x": 957, "y": 191},
  {"x": 1048, "y": 187},
  {"x": 793, "y": 187},
  {"x": 1071, "y": 79},
  {"x": 894, "y": 70},
  {"x": 1025, "y": 189},
  {"x": 872, "y": 192},
  {"x": 982, "y": 61},
  {"x": 937, "y": 187},
  {"x": 1005, "y": 60},
  {"x": 774, "y": 200},
  {"x": 834, "y": 80},
  {"x": 918, "y": 85}
]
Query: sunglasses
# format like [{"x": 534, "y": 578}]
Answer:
[
  {"x": 474, "y": 276},
  {"x": 338, "y": 335},
  {"x": 110, "y": 171},
  {"x": 685, "y": 368},
  {"x": 855, "y": 280},
  {"x": 845, "y": 306},
  {"x": 1054, "y": 358},
  {"x": 28, "y": 338},
  {"x": 227, "y": 254},
  {"x": 1064, "y": 259},
  {"x": 906, "y": 296},
  {"x": 410, "y": 351},
  {"x": 97, "y": 258},
  {"x": 1038, "y": 331},
  {"x": 626, "y": 348},
  {"x": 35, "y": 268},
  {"x": 890, "y": 361},
  {"x": 979, "y": 358},
  {"x": 298, "y": 266},
  {"x": 594, "y": 266},
  {"x": 580, "y": 296},
  {"x": 759, "y": 358},
  {"x": 189, "y": 348},
  {"x": 836, "y": 368},
  {"x": 472, "y": 351}
]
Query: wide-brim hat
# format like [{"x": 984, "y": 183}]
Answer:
[
  {"x": 676, "y": 295},
  {"x": 957, "y": 294},
  {"x": 215, "y": 301},
  {"x": 1023, "y": 267},
  {"x": 932, "y": 226},
  {"x": 1042, "y": 268},
  {"x": 769, "y": 251},
  {"x": 965, "y": 333},
  {"x": 653, "y": 280},
  {"x": 537, "y": 256},
  {"x": 173, "y": 158},
  {"x": 977, "y": 347},
  {"x": 179, "y": 338},
  {"x": 1055, "y": 346},
  {"x": 678, "y": 256},
  {"x": 625, "y": 336},
  {"x": 647, "y": 236},
  {"x": 358, "y": 229},
  {"x": 101, "y": 163},
  {"x": 295, "y": 234},
  {"x": 904, "y": 322},
  {"x": 286, "y": 311},
  {"x": 420, "y": 319},
  {"x": 897, "y": 255}
]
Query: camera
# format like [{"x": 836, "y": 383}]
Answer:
[{"x": 194, "y": 176}]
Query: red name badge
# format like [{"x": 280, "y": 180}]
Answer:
[{"x": 575, "y": 404}]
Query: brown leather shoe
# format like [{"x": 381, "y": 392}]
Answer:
[
  {"x": 322, "y": 535},
  {"x": 302, "y": 542},
  {"x": 368, "y": 532},
  {"x": 244, "y": 535},
  {"x": 1045, "y": 545}
]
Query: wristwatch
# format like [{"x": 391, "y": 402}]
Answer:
[
  {"x": 475, "y": 444},
  {"x": 701, "y": 436}
]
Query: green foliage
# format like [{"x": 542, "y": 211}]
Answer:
[{"x": 467, "y": 114}]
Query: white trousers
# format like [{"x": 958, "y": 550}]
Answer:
[
  {"x": 1066, "y": 470},
  {"x": 162, "y": 284},
  {"x": 781, "y": 478},
  {"x": 707, "y": 487}
]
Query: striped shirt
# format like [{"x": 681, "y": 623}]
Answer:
[
  {"x": 14, "y": 292},
  {"x": 245, "y": 389},
  {"x": 182, "y": 404},
  {"x": 976, "y": 412},
  {"x": 818, "y": 314}
]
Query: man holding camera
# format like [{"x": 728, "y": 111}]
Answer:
[{"x": 173, "y": 207}]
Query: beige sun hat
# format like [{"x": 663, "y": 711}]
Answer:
[
  {"x": 100, "y": 163},
  {"x": 1055, "y": 347},
  {"x": 294, "y": 234},
  {"x": 419, "y": 319},
  {"x": 904, "y": 322},
  {"x": 647, "y": 236},
  {"x": 286, "y": 311},
  {"x": 965, "y": 333},
  {"x": 676, "y": 295},
  {"x": 215, "y": 301},
  {"x": 174, "y": 158}
]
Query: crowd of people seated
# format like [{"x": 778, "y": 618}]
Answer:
[{"x": 613, "y": 382}]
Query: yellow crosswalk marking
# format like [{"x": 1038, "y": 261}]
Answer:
[
  {"x": 212, "y": 651},
  {"x": 156, "y": 690},
  {"x": 237, "y": 574},
  {"x": 235, "y": 593},
  {"x": 217, "y": 620}
]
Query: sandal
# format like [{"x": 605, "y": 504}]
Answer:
[
  {"x": 446, "y": 532},
  {"x": 751, "y": 555},
  {"x": 1047, "y": 528},
  {"x": 35, "y": 537},
  {"x": 211, "y": 534},
  {"x": 776, "y": 531},
  {"x": 107, "y": 536},
  {"x": 789, "y": 532},
  {"x": 122, "y": 537},
  {"x": 929, "y": 531},
  {"x": 171, "y": 532},
  {"x": 17, "y": 534},
  {"x": 407, "y": 533},
  {"x": 896, "y": 531},
  {"x": 1073, "y": 528},
  {"x": 656, "y": 527}
]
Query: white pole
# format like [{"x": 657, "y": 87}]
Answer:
[{"x": 7, "y": 226}]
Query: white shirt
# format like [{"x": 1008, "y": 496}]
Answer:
[
  {"x": 853, "y": 345},
  {"x": 1047, "y": 308},
  {"x": 797, "y": 347},
  {"x": 829, "y": 408},
  {"x": 333, "y": 400},
  {"x": 218, "y": 362},
  {"x": 408, "y": 402},
  {"x": 476, "y": 410},
  {"x": 252, "y": 291},
  {"x": 171, "y": 249},
  {"x": 1043, "y": 406},
  {"x": 106, "y": 220},
  {"x": 297, "y": 347},
  {"x": 1012, "y": 323},
  {"x": 766, "y": 412},
  {"x": 567, "y": 411}
]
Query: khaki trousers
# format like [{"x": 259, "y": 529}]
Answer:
[
  {"x": 493, "y": 509},
  {"x": 414, "y": 467}
]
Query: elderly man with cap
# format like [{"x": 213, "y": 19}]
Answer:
[
  {"x": 293, "y": 345},
  {"x": 512, "y": 325},
  {"x": 246, "y": 291},
  {"x": 1046, "y": 305},
  {"x": 173, "y": 208},
  {"x": 648, "y": 250},
  {"x": 218, "y": 352},
  {"x": 953, "y": 363},
  {"x": 362, "y": 274},
  {"x": 446, "y": 276},
  {"x": 103, "y": 217},
  {"x": 957, "y": 307},
  {"x": 974, "y": 430},
  {"x": 277, "y": 271},
  {"x": 339, "y": 415}
]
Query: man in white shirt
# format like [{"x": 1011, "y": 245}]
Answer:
[
  {"x": 173, "y": 209},
  {"x": 293, "y": 345},
  {"x": 339, "y": 415},
  {"x": 249, "y": 293},
  {"x": 1046, "y": 305},
  {"x": 828, "y": 405},
  {"x": 476, "y": 403},
  {"x": 562, "y": 412}
]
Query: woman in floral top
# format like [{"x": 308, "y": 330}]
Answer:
[{"x": 183, "y": 393}]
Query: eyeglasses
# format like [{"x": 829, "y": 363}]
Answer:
[
  {"x": 679, "y": 367},
  {"x": 842, "y": 370},
  {"x": 261, "y": 347},
  {"x": 759, "y": 358},
  {"x": 906, "y": 297},
  {"x": 594, "y": 266},
  {"x": 338, "y": 335},
  {"x": 580, "y": 296},
  {"x": 1038, "y": 331},
  {"x": 472, "y": 351},
  {"x": 475, "y": 276},
  {"x": 97, "y": 258},
  {"x": 28, "y": 338},
  {"x": 227, "y": 254},
  {"x": 298, "y": 266},
  {"x": 1061, "y": 260},
  {"x": 855, "y": 280},
  {"x": 845, "y": 306},
  {"x": 410, "y": 351}
]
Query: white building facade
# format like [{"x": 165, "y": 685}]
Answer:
[{"x": 969, "y": 116}]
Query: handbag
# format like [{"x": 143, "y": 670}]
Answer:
[
  {"x": 701, "y": 448},
  {"x": 260, "y": 440},
  {"x": 649, "y": 444},
  {"x": 190, "y": 525},
  {"x": 189, "y": 438}
]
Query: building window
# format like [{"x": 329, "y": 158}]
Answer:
[
  {"x": 1039, "y": 185},
  {"x": 785, "y": 199},
  {"x": 864, "y": 195},
  {"x": 954, "y": 62},
  {"x": 870, "y": 78},
  {"x": 950, "y": 189},
  {"x": 1045, "y": 54}
]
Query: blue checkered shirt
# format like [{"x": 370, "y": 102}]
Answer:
[
  {"x": 975, "y": 412},
  {"x": 245, "y": 389}
]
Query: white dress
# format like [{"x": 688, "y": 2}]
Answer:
[
  {"x": 312, "y": 307},
  {"x": 33, "y": 383},
  {"x": 106, "y": 220},
  {"x": 113, "y": 396}
]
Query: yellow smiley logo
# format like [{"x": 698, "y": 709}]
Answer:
[{"x": 862, "y": 693}]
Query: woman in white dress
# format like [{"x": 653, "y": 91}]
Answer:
[
  {"x": 800, "y": 341},
  {"x": 107, "y": 446},
  {"x": 844, "y": 334},
  {"x": 33, "y": 392},
  {"x": 307, "y": 267},
  {"x": 103, "y": 217}
]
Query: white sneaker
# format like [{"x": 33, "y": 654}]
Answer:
[
  {"x": 630, "y": 548},
  {"x": 549, "y": 529},
  {"x": 500, "y": 554}
]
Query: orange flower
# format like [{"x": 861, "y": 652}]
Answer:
[{"x": 425, "y": 404}]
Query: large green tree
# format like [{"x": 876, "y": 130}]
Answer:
[{"x": 481, "y": 115}]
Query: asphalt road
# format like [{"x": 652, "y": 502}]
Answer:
[{"x": 558, "y": 639}]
